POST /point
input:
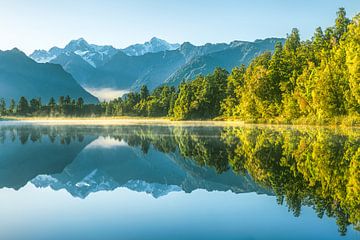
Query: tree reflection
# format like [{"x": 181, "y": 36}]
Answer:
[{"x": 317, "y": 167}]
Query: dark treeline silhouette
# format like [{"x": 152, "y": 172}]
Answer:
[
  {"x": 65, "y": 106},
  {"x": 142, "y": 103}
]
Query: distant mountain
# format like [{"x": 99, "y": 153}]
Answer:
[
  {"x": 225, "y": 56},
  {"x": 153, "y": 46},
  {"x": 80, "y": 69},
  {"x": 93, "y": 54},
  {"x": 153, "y": 63},
  {"x": 97, "y": 55},
  {"x": 22, "y": 76},
  {"x": 171, "y": 67},
  {"x": 189, "y": 51},
  {"x": 130, "y": 72}
]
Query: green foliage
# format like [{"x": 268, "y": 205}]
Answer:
[
  {"x": 23, "y": 107},
  {"x": 316, "y": 168},
  {"x": 235, "y": 83},
  {"x": 2, "y": 107},
  {"x": 201, "y": 98},
  {"x": 144, "y": 92},
  {"x": 158, "y": 103},
  {"x": 317, "y": 79},
  {"x": 351, "y": 44},
  {"x": 12, "y": 107}
]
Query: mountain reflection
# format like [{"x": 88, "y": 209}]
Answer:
[{"x": 313, "y": 167}]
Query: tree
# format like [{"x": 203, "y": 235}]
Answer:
[
  {"x": 12, "y": 107},
  {"x": 235, "y": 83},
  {"x": 201, "y": 98},
  {"x": 2, "y": 107},
  {"x": 318, "y": 40},
  {"x": 52, "y": 106},
  {"x": 144, "y": 92},
  {"x": 255, "y": 98},
  {"x": 23, "y": 106},
  {"x": 341, "y": 24},
  {"x": 35, "y": 105},
  {"x": 292, "y": 42},
  {"x": 80, "y": 103},
  {"x": 130, "y": 101},
  {"x": 216, "y": 91},
  {"x": 68, "y": 106},
  {"x": 61, "y": 103},
  {"x": 173, "y": 98},
  {"x": 183, "y": 101},
  {"x": 351, "y": 46}
]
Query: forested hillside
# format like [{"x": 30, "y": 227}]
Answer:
[
  {"x": 315, "y": 79},
  {"x": 312, "y": 81}
]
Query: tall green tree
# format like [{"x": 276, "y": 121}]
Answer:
[
  {"x": 2, "y": 107},
  {"x": 144, "y": 92},
  {"x": 234, "y": 89},
  {"x": 341, "y": 24},
  {"x": 12, "y": 107},
  {"x": 23, "y": 106},
  {"x": 35, "y": 105},
  {"x": 52, "y": 106},
  {"x": 351, "y": 46}
]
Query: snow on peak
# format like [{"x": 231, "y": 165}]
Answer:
[
  {"x": 93, "y": 54},
  {"x": 154, "y": 45}
]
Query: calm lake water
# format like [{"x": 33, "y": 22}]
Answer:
[{"x": 178, "y": 182}]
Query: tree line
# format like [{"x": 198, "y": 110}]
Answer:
[
  {"x": 317, "y": 80},
  {"x": 64, "y": 106}
]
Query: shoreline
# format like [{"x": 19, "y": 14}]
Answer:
[
  {"x": 128, "y": 121},
  {"x": 123, "y": 121}
]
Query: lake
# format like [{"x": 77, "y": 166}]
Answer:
[{"x": 178, "y": 182}]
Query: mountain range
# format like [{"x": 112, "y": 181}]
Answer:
[
  {"x": 153, "y": 63},
  {"x": 80, "y": 67}
]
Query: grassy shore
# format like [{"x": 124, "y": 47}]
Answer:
[
  {"x": 116, "y": 121},
  {"x": 346, "y": 121}
]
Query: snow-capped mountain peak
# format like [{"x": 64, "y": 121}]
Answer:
[
  {"x": 97, "y": 55},
  {"x": 42, "y": 56},
  {"x": 154, "y": 45},
  {"x": 93, "y": 54},
  {"x": 78, "y": 45}
]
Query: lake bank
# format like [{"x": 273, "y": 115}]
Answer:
[
  {"x": 162, "y": 121},
  {"x": 118, "y": 121}
]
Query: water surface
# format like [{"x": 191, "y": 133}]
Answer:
[{"x": 178, "y": 182}]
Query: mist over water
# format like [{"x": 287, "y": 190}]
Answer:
[{"x": 106, "y": 94}]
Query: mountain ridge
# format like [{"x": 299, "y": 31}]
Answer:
[{"x": 104, "y": 67}]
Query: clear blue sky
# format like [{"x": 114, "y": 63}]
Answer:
[{"x": 41, "y": 24}]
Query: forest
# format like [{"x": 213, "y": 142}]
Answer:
[{"x": 312, "y": 81}]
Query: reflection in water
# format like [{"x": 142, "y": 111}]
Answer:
[{"x": 317, "y": 167}]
